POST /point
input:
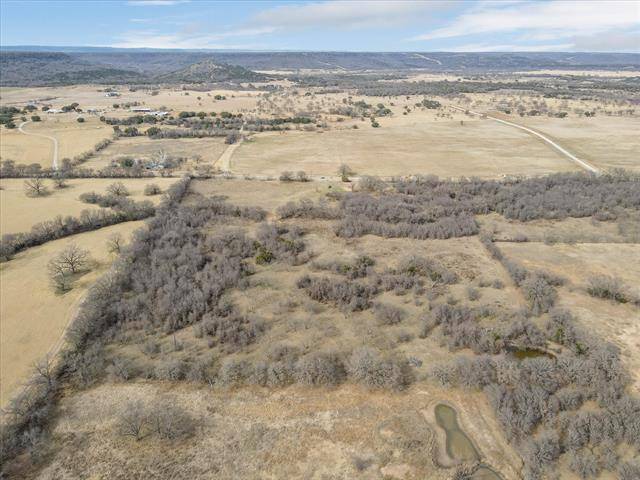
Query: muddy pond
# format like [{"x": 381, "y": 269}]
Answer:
[{"x": 458, "y": 445}]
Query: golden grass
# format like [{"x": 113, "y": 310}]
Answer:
[
  {"x": 32, "y": 316},
  {"x": 18, "y": 212},
  {"x": 207, "y": 149},
  {"x": 416, "y": 144}
]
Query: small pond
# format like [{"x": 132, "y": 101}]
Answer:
[{"x": 458, "y": 445}]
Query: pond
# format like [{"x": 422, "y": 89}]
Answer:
[
  {"x": 522, "y": 353},
  {"x": 458, "y": 445}
]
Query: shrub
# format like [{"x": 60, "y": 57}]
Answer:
[
  {"x": 539, "y": 293},
  {"x": 604, "y": 286},
  {"x": 368, "y": 367},
  {"x": 388, "y": 314},
  {"x": 172, "y": 370},
  {"x": 473, "y": 294},
  {"x": 319, "y": 368},
  {"x": 170, "y": 421},
  {"x": 133, "y": 420},
  {"x": 286, "y": 176},
  {"x": 152, "y": 189},
  {"x": 118, "y": 189}
]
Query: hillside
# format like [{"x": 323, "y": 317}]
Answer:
[
  {"x": 209, "y": 71},
  {"x": 40, "y": 68},
  {"x": 55, "y": 68}
]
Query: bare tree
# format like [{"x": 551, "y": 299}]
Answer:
[
  {"x": 58, "y": 275},
  {"x": 44, "y": 373},
  {"x": 73, "y": 258},
  {"x": 118, "y": 189},
  {"x": 35, "y": 187},
  {"x": 115, "y": 243},
  {"x": 133, "y": 420},
  {"x": 344, "y": 171}
]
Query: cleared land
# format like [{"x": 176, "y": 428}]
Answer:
[
  {"x": 197, "y": 150},
  {"x": 347, "y": 432},
  {"x": 404, "y": 146},
  {"x": 606, "y": 142},
  {"x": 73, "y": 138},
  {"x": 19, "y": 212},
  {"x": 33, "y": 315}
]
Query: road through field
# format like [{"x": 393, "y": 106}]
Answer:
[
  {"x": 53, "y": 139},
  {"x": 563, "y": 151},
  {"x": 224, "y": 161}
]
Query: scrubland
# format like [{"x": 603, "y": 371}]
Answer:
[{"x": 302, "y": 313}]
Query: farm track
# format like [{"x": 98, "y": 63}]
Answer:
[
  {"x": 53, "y": 139},
  {"x": 581, "y": 163}
]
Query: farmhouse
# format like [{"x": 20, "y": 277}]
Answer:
[{"x": 141, "y": 109}]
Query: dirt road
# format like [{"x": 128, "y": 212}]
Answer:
[
  {"x": 53, "y": 139},
  {"x": 581, "y": 163}
]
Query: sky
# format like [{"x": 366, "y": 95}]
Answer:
[{"x": 480, "y": 25}]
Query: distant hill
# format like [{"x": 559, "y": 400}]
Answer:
[
  {"x": 104, "y": 65},
  {"x": 208, "y": 71},
  {"x": 54, "y": 68}
]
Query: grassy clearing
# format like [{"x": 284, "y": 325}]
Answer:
[
  {"x": 415, "y": 144},
  {"x": 33, "y": 315},
  {"x": 19, "y": 212}
]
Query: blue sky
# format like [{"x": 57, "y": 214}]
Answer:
[{"x": 519, "y": 25}]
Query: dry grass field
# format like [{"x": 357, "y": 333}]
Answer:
[
  {"x": 88, "y": 96},
  {"x": 250, "y": 323},
  {"x": 346, "y": 432},
  {"x": 207, "y": 150},
  {"x": 33, "y": 316},
  {"x": 73, "y": 138},
  {"x": 606, "y": 142},
  {"x": 19, "y": 212},
  {"x": 415, "y": 144}
]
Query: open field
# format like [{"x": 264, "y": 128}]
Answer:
[
  {"x": 265, "y": 328},
  {"x": 346, "y": 432},
  {"x": 88, "y": 96},
  {"x": 33, "y": 315},
  {"x": 205, "y": 150},
  {"x": 403, "y": 146},
  {"x": 606, "y": 142},
  {"x": 619, "y": 324},
  {"x": 73, "y": 138},
  {"x": 19, "y": 212}
]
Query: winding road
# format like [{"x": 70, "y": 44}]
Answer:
[
  {"x": 53, "y": 139},
  {"x": 581, "y": 163}
]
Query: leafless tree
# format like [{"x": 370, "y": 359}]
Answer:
[
  {"x": 73, "y": 258},
  {"x": 118, "y": 189},
  {"x": 114, "y": 243},
  {"x": 133, "y": 420},
  {"x": 58, "y": 275},
  {"x": 35, "y": 187}
]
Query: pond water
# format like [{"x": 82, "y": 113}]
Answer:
[
  {"x": 522, "y": 353},
  {"x": 458, "y": 445}
]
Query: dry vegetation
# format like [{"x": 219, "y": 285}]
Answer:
[{"x": 296, "y": 316}]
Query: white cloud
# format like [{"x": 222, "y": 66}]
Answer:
[
  {"x": 347, "y": 14},
  {"x": 484, "y": 47},
  {"x": 155, "y": 3},
  {"x": 557, "y": 18},
  {"x": 155, "y": 39}
]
